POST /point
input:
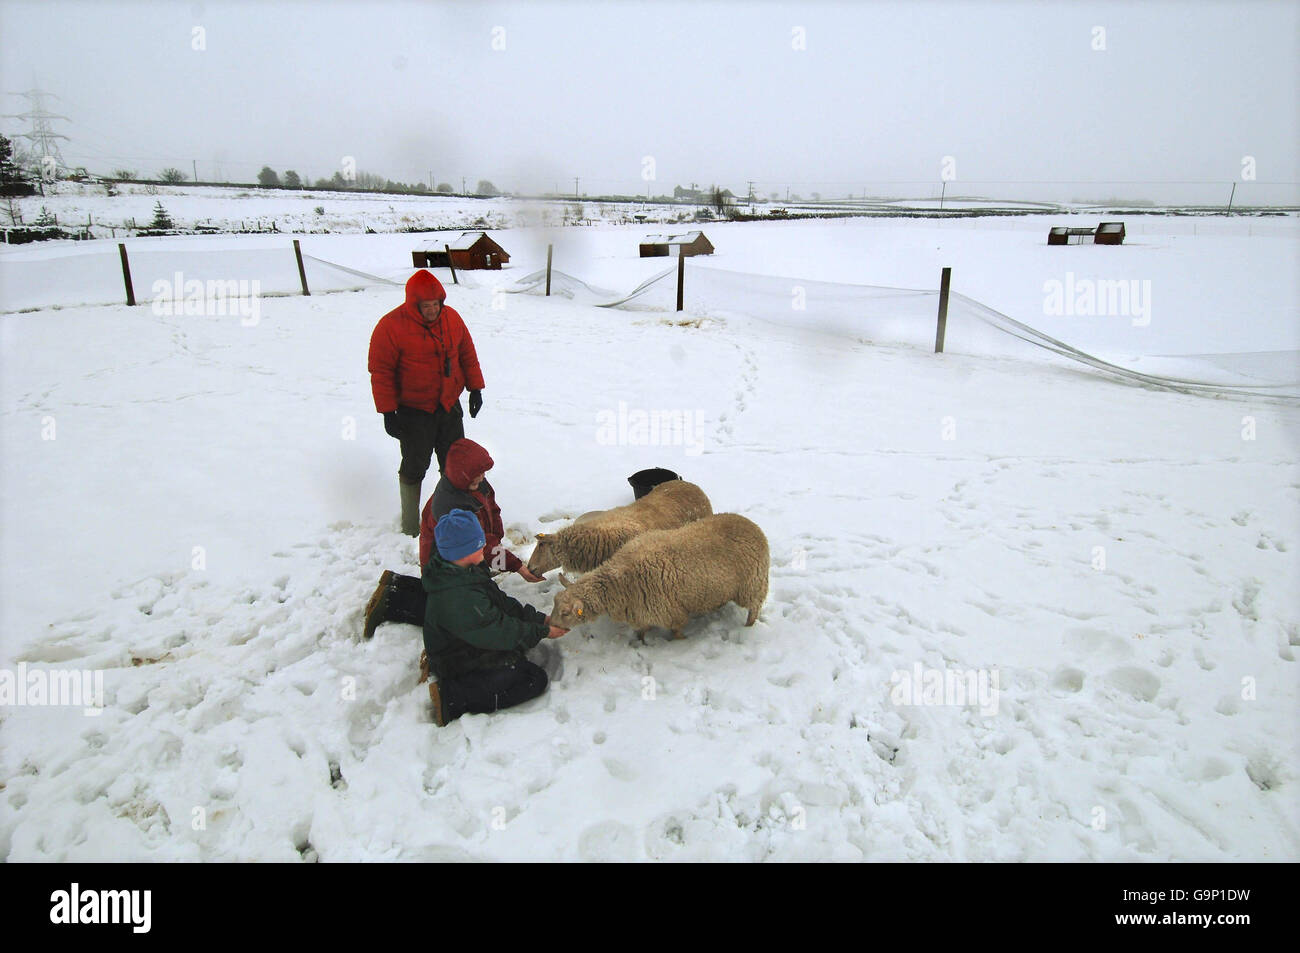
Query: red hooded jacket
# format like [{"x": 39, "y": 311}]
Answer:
[
  {"x": 407, "y": 358},
  {"x": 465, "y": 461}
]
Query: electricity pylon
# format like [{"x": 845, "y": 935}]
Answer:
[{"x": 41, "y": 137}]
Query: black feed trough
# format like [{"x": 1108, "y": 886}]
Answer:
[{"x": 643, "y": 481}]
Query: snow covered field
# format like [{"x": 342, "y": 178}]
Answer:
[{"x": 199, "y": 507}]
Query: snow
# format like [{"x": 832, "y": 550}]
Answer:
[{"x": 1120, "y": 559}]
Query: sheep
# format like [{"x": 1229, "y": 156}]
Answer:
[
  {"x": 595, "y": 536},
  {"x": 663, "y": 577}
]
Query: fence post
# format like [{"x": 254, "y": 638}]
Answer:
[
  {"x": 302, "y": 272},
  {"x": 549, "y": 248},
  {"x": 943, "y": 310},
  {"x": 681, "y": 275},
  {"x": 451, "y": 265},
  {"x": 126, "y": 275}
]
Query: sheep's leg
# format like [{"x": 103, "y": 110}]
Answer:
[
  {"x": 677, "y": 633},
  {"x": 640, "y": 634},
  {"x": 753, "y": 617}
]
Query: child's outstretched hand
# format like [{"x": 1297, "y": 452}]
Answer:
[{"x": 556, "y": 632}]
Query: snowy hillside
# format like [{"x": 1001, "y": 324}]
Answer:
[
  {"x": 233, "y": 209},
  {"x": 1117, "y": 565}
]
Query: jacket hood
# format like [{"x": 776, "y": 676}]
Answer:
[
  {"x": 465, "y": 461},
  {"x": 423, "y": 286}
]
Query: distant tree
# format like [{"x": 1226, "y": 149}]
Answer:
[
  {"x": 172, "y": 175},
  {"x": 718, "y": 200},
  {"x": 369, "y": 181},
  {"x": 124, "y": 174},
  {"x": 45, "y": 219},
  {"x": 816, "y": 196},
  {"x": 486, "y": 188},
  {"x": 267, "y": 178},
  {"x": 445, "y": 187},
  {"x": 161, "y": 220},
  {"x": 13, "y": 180},
  {"x": 291, "y": 180}
]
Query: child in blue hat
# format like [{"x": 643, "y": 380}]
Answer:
[{"x": 475, "y": 635}]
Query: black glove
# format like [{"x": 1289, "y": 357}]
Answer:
[
  {"x": 390, "y": 425},
  {"x": 475, "y": 402}
]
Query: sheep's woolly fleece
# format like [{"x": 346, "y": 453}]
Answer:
[
  {"x": 587, "y": 543},
  {"x": 665, "y": 577}
]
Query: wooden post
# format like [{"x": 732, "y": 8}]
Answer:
[
  {"x": 126, "y": 275},
  {"x": 943, "y": 310},
  {"x": 454, "y": 279},
  {"x": 681, "y": 276},
  {"x": 549, "y": 248},
  {"x": 302, "y": 272},
  {"x": 1231, "y": 197}
]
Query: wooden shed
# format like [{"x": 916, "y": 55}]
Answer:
[
  {"x": 1107, "y": 233},
  {"x": 683, "y": 243},
  {"x": 472, "y": 250},
  {"x": 1110, "y": 233}
]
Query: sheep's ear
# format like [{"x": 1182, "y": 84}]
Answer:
[{"x": 564, "y": 581}]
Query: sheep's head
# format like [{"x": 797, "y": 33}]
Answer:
[
  {"x": 570, "y": 610},
  {"x": 544, "y": 557}
]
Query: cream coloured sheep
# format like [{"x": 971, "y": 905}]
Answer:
[
  {"x": 594, "y": 537},
  {"x": 663, "y": 577}
]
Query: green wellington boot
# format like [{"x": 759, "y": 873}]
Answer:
[{"x": 410, "y": 508}]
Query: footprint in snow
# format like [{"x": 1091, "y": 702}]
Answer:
[{"x": 1134, "y": 681}]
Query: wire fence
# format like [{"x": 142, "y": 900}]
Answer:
[
  {"x": 885, "y": 315},
  {"x": 873, "y": 314}
]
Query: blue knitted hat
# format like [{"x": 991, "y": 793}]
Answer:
[{"x": 458, "y": 534}]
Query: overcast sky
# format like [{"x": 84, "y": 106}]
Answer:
[{"x": 835, "y": 98}]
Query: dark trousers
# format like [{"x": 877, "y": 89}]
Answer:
[
  {"x": 486, "y": 690},
  {"x": 425, "y": 435}
]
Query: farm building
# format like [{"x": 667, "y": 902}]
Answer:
[
  {"x": 1107, "y": 233},
  {"x": 472, "y": 250},
  {"x": 684, "y": 243},
  {"x": 1110, "y": 233}
]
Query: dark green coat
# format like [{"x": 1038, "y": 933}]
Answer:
[{"x": 469, "y": 623}]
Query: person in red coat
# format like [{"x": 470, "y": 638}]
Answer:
[
  {"x": 463, "y": 486},
  {"x": 421, "y": 358}
]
